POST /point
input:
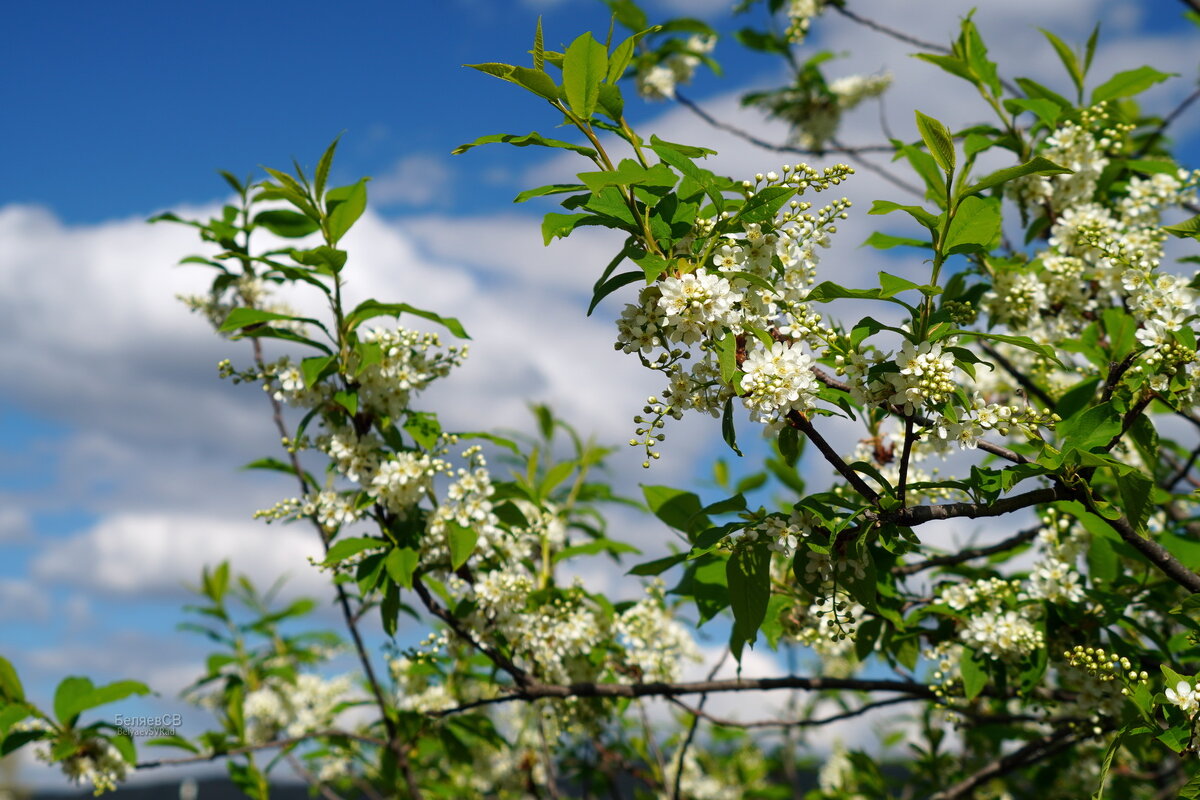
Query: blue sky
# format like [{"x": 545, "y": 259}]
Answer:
[{"x": 114, "y": 430}]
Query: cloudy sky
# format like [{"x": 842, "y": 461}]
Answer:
[{"x": 119, "y": 445}]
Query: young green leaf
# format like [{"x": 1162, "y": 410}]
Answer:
[
  {"x": 1128, "y": 83},
  {"x": 585, "y": 66},
  {"x": 939, "y": 141}
]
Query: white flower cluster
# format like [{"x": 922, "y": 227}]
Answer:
[
  {"x": 1098, "y": 257},
  {"x": 800, "y": 14},
  {"x": 656, "y": 645},
  {"x": 310, "y": 704},
  {"x": 821, "y": 118},
  {"x": 658, "y": 81},
  {"x": 993, "y": 628},
  {"x": 777, "y": 381},
  {"x": 93, "y": 761},
  {"x": 697, "y": 783},
  {"x": 467, "y": 503},
  {"x": 1002, "y": 634},
  {"x": 738, "y": 287}
]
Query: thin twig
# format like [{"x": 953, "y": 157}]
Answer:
[
  {"x": 966, "y": 555},
  {"x": 886, "y": 31},
  {"x": 312, "y": 780},
  {"x": 883, "y": 172},
  {"x": 252, "y": 748},
  {"x": 519, "y": 675},
  {"x": 850, "y": 150},
  {"x": 537, "y": 691},
  {"x": 1167, "y": 120},
  {"x": 691, "y": 734},
  {"x": 790, "y": 723},
  {"x": 1035, "y": 751}
]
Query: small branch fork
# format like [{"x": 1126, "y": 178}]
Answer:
[{"x": 1037, "y": 750}]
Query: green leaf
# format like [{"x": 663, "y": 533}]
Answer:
[
  {"x": 76, "y": 694},
  {"x": 974, "y": 674},
  {"x": 462, "y": 543},
  {"x": 240, "y": 318},
  {"x": 1093, "y": 428},
  {"x": 314, "y": 367},
  {"x": 325, "y": 259},
  {"x": 659, "y": 565},
  {"x": 533, "y": 80},
  {"x": 345, "y": 204},
  {"x": 554, "y": 188},
  {"x": 369, "y": 309},
  {"x": 885, "y": 241},
  {"x": 528, "y": 140},
  {"x": 601, "y": 545},
  {"x": 10, "y": 685},
  {"x": 679, "y": 509},
  {"x": 975, "y": 227},
  {"x": 1035, "y": 166},
  {"x": 728, "y": 432},
  {"x": 401, "y": 563},
  {"x": 343, "y": 549},
  {"x": 1187, "y": 229},
  {"x": 1136, "y": 489},
  {"x": 539, "y": 47},
  {"x": 1128, "y": 84},
  {"x": 323, "y": 166},
  {"x": 748, "y": 575},
  {"x": 288, "y": 224},
  {"x": 585, "y": 66},
  {"x": 611, "y": 285},
  {"x": 939, "y": 141},
  {"x": 930, "y": 221},
  {"x": 1047, "y": 111},
  {"x": 1068, "y": 58},
  {"x": 555, "y": 225},
  {"x": 423, "y": 427}
]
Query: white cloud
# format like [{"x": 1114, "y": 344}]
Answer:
[
  {"x": 23, "y": 600},
  {"x": 414, "y": 180},
  {"x": 14, "y": 524},
  {"x": 158, "y": 554}
]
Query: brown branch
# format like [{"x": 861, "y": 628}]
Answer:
[
  {"x": 253, "y": 748},
  {"x": 312, "y": 780},
  {"x": 883, "y": 172},
  {"x": 801, "y": 422},
  {"x": 1035, "y": 751},
  {"x": 538, "y": 691},
  {"x": 350, "y": 618},
  {"x": 966, "y": 555},
  {"x": 886, "y": 31},
  {"x": 1181, "y": 470},
  {"x": 850, "y": 150},
  {"x": 502, "y": 661},
  {"x": 794, "y": 723},
  {"x": 918, "y": 515},
  {"x": 1171, "y": 117},
  {"x": 907, "y": 38}
]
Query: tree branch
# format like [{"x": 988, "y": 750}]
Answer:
[
  {"x": 794, "y": 723},
  {"x": 1035, "y": 751},
  {"x": 802, "y": 423},
  {"x": 538, "y": 691},
  {"x": 966, "y": 555}
]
